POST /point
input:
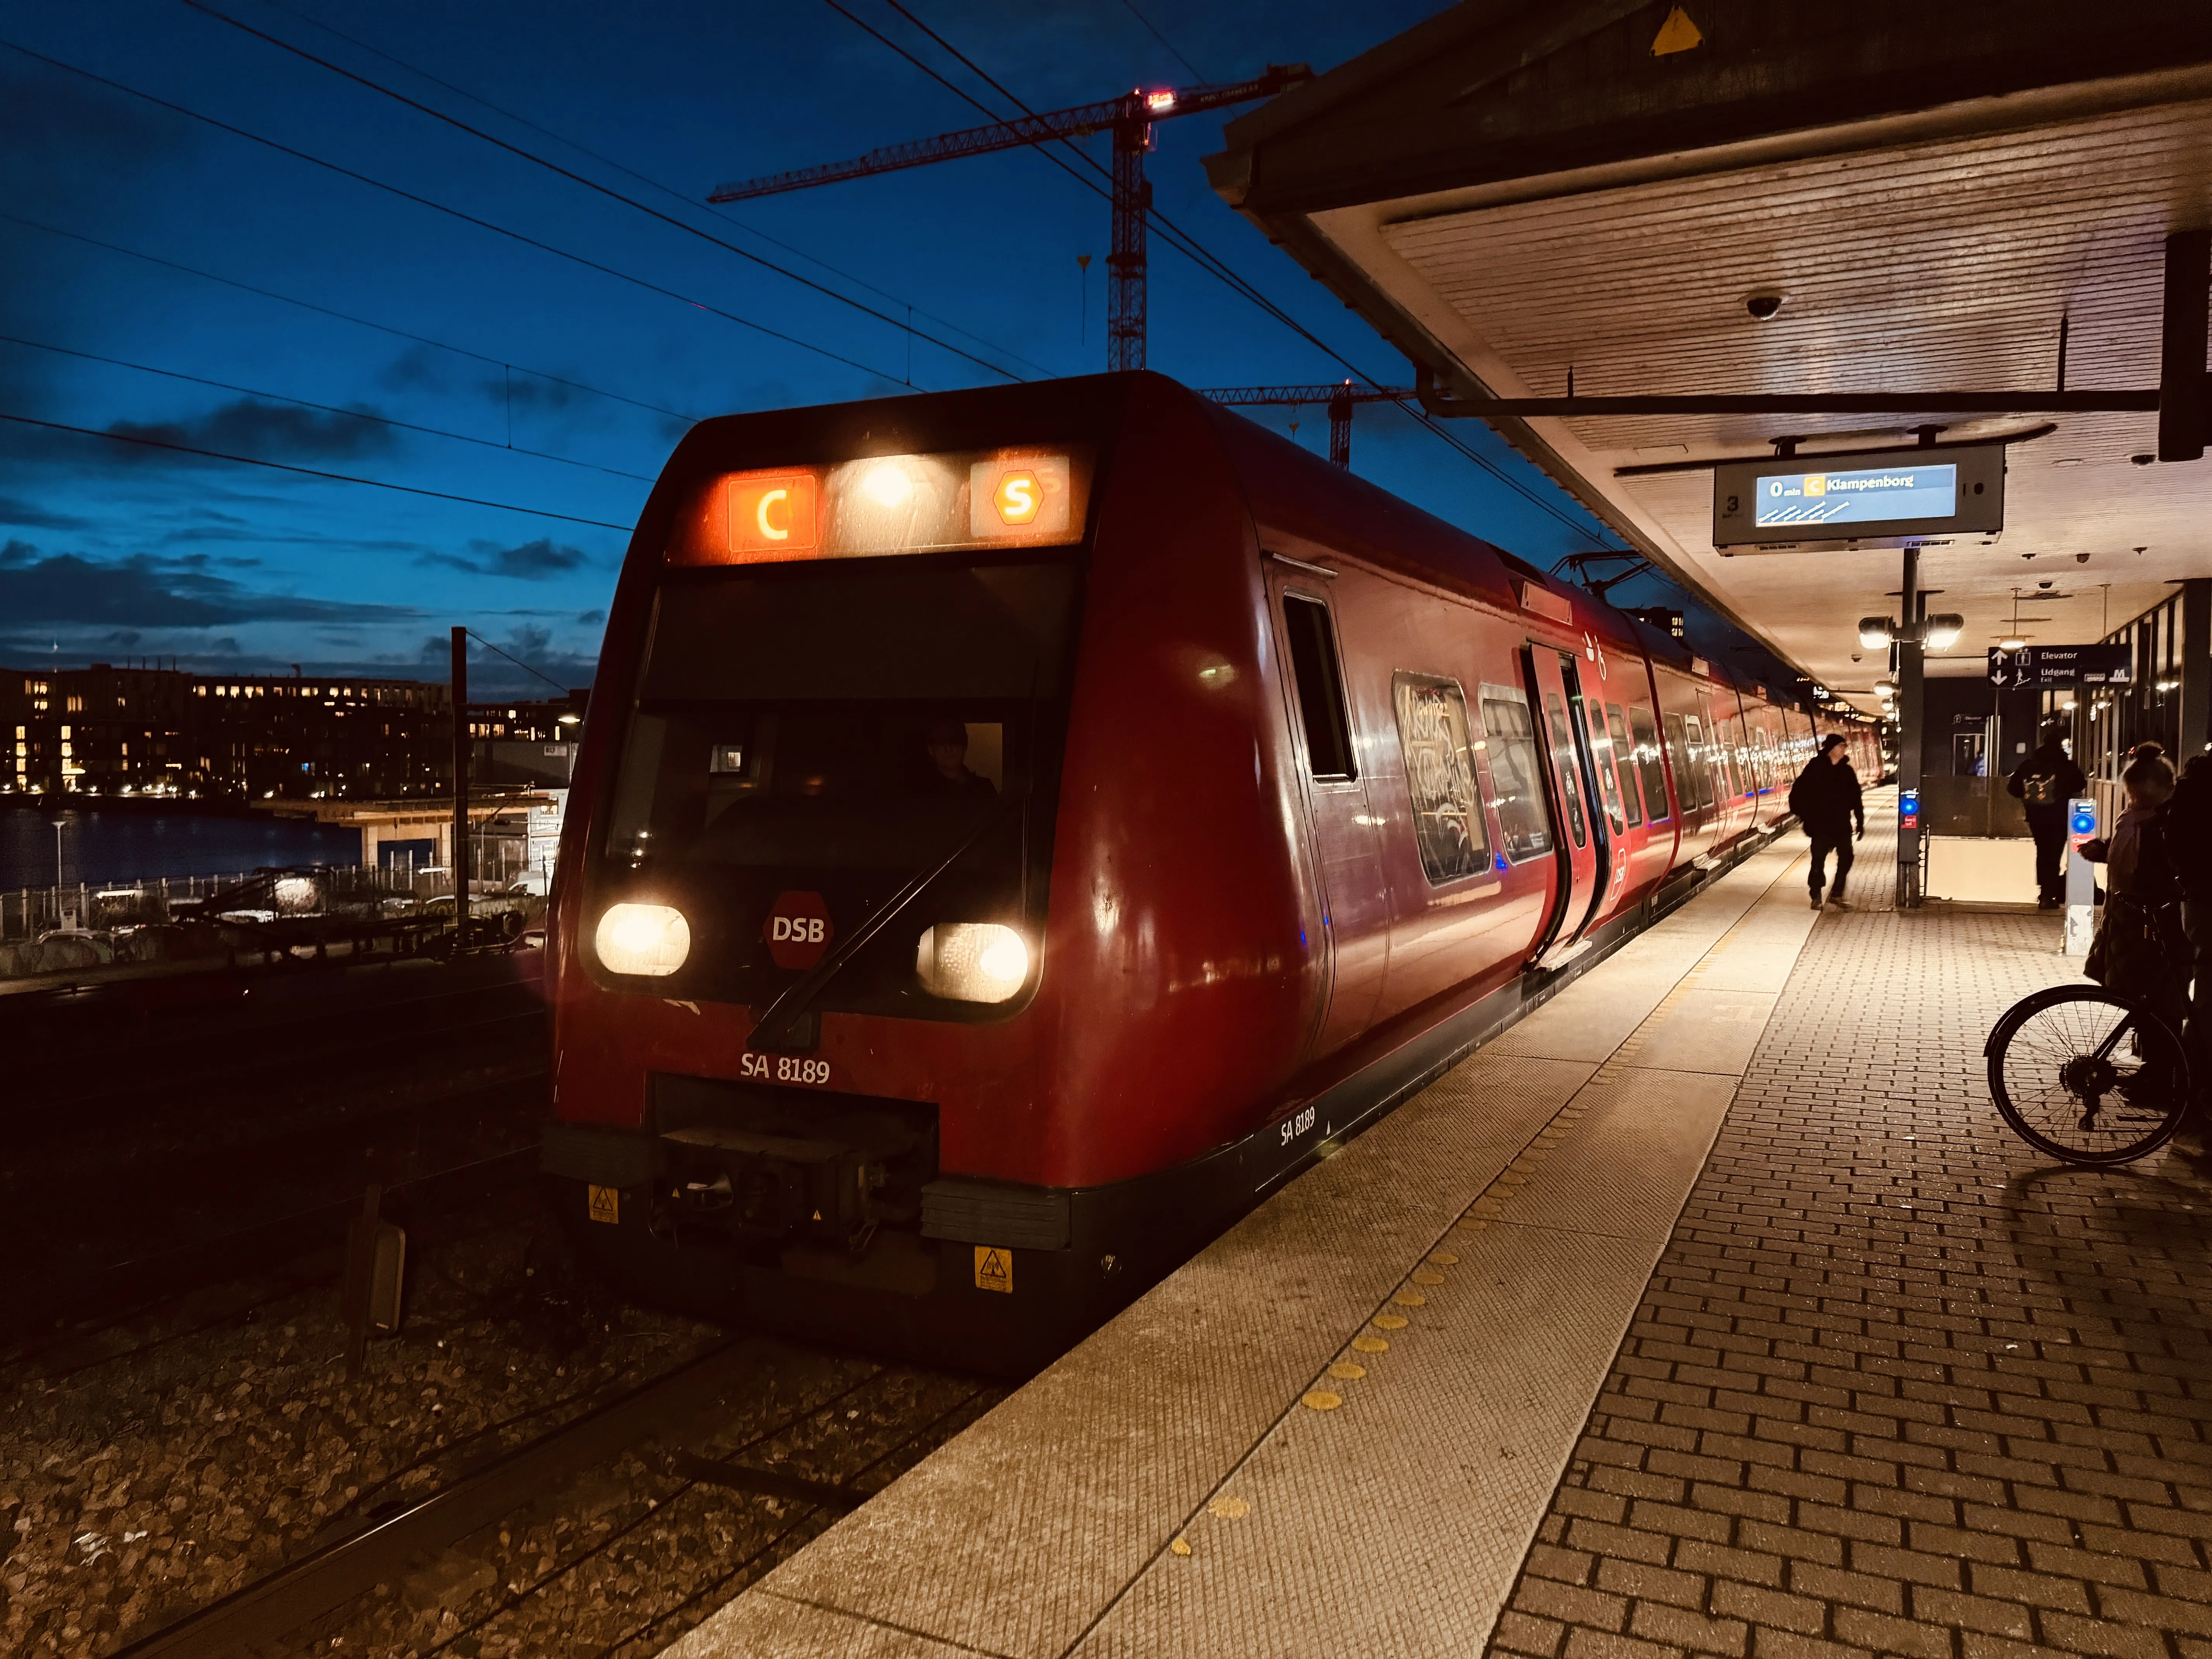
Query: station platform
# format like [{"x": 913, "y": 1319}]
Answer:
[{"x": 1711, "y": 1308}]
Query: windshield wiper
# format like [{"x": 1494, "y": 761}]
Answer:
[{"x": 773, "y": 1033}]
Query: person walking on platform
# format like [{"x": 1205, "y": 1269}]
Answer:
[
  {"x": 2044, "y": 783},
  {"x": 1826, "y": 799}
]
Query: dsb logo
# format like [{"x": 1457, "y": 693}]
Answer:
[{"x": 798, "y": 930}]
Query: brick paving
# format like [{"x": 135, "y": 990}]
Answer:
[{"x": 1898, "y": 1385}]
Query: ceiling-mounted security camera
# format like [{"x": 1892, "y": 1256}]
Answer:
[
  {"x": 1762, "y": 307},
  {"x": 2081, "y": 558},
  {"x": 2046, "y": 583}
]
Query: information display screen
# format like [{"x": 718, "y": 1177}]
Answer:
[
  {"x": 1866, "y": 498},
  {"x": 1867, "y": 495}
]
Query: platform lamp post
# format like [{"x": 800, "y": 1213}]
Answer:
[{"x": 461, "y": 786}]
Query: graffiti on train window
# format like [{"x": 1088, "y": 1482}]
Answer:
[{"x": 1432, "y": 730}]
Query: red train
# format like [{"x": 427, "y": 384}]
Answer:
[{"x": 1016, "y": 829}]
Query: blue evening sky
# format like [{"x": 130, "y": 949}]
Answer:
[{"x": 545, "y": 384}]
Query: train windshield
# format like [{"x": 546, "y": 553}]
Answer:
[{"x": 832, "y": 732}]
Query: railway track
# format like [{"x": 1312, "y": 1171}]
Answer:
[
  {"x": 634, "y": 1515},
  {"x": 673, "y": 1411}
]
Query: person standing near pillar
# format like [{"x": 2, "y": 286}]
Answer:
[
  {"x": 2042, "y": 784},
  {"x": 1827, "y": 802}
]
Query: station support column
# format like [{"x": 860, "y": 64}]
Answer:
[
  {"x": 2196, "y": 733},
  {"x": 1911, "y": 708}
]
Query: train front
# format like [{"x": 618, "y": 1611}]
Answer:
[{"x": 802, "y": 891}]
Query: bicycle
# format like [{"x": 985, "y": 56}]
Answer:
[{"x": 2088, "y": 1075}]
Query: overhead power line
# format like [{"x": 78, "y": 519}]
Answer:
[
  {"x": 327, "y": 409},
  {"x": 1131, "y": 8},
  {"x": 593, "y": 185},
  {"x": 451, "y": 212},
  {"x": 304, "y": 471},
  {"x": 651, "y": 184},
  {"x": 516, "y": 660},
  {"x": 344, "y": 316},
  {"x": 1189, "y": 246}
]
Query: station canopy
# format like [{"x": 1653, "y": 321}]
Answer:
[{"x": 1530, "y": 199}]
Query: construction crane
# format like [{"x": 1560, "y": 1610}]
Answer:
[
  {"x": 1339, "y": 400},
  {"x": 1129, "y": 118}
]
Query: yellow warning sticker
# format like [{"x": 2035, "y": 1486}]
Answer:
[
  {"x": 994, "y": 1269},
  {"x": 1677, "y": 33},
  {"x": 606, "y": 1202}
]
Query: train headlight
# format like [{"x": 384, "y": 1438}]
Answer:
[
  {"x": 972, "y": 961},
  {"x": 647, "y": 940}
]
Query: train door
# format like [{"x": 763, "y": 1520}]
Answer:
[
  {"x": 1347, "y": 838},
  {"x": 1582, "y": 843}
]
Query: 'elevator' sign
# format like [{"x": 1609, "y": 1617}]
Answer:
[{"x": 2055, "y": 667}]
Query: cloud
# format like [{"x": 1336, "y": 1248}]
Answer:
[
  {"x": 15, "y": 511},
  {"x": 529, "y": 562},
  {"x": 267, "y": 431},
  {"x": 147, "y": 592},
  {"x": 415, "y": 369}
]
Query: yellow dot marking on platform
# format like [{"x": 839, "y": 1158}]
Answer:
[
  {"x": 1389, "y": 1322},
  {"x": 1372, "y": 1344},
  {"x": 1346, "y": 1370},
  {"x": 1410, "y": 1299},
  {"x": 1180, "y": 1546},
  {"x": 1228, "y": 1509},
  {"x": 1443, "y": 1258},
  {"x": 1320, "y": 1399},
  {"x": 1427, "y": 1276}
]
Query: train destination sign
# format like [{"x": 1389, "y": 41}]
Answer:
[
  {"x": 1893, "y": 498},
  {"x": 2053, "y": 667}
]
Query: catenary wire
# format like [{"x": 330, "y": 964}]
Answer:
[
  {"x": 516, "y": 660},
  {"x": 669, "y": 191},
  {"x": 342, "y": 316},
  {"x": 451, "y": 212},
  {"x": 304, "y": 471},
  {"x": 593, "y": 185},
  {"x": 1192, "y": 249},
  {"x": 327, "y": 409},
  {"x": 1131, "y": 7}
]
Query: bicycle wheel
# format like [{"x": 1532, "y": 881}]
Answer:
[{"x": 2088, "y": 1075}]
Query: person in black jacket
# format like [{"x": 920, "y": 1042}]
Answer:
[
  {"x": 2042, "y": 784},
  {"x": 1826, "y": 798}
]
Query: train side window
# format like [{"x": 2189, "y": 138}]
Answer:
[
  {"x": 1563, "y": 750},
  {"x": 1618, "y": 755},
  {"x": 1701, "y": 760},
  {"x": 1321, "y": 688},
  {"x": 1648, "y": 765},
  {"x": 1685, "y": 772},
  {"x": 1433, "y": 732},
  {"x": 1508, "y": 738}
]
